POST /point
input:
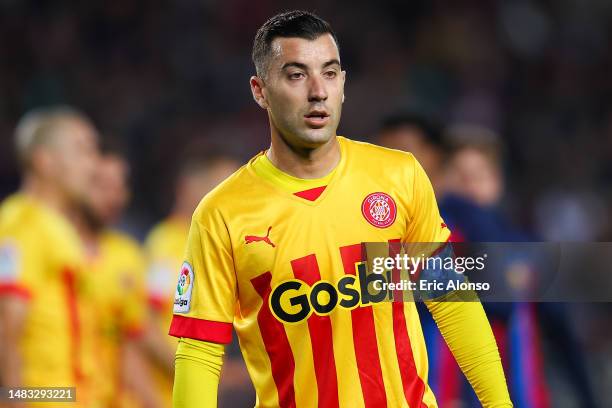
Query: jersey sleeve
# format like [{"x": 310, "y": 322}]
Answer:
[
  {"x": 426, "y": 224},
  {"x": 205, "y": 295},
  {"x": 467, "y": 332},
  {"x": 197, "y": 371},
  {"x": 16, "y": 270}
]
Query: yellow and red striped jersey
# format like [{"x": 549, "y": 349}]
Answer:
[
  {"x": 278, "y": 258},
  {"x": 42, "y": 260},
  {"x": 116, "y": 275}
]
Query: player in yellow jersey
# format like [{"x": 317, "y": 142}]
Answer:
[
  {"x": 45, "y": 339},
  {"x": 198, "y": 173},
  {"x": 116, "y": 275},
  {"x": 276, "y": 251}
]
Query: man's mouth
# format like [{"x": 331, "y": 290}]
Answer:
[{"x": 317, "y": 118}]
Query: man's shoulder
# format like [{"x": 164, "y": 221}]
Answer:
[
  {"x": 378, "y": 162},
  {"x": 370, "y": 152},
  {"x": 25, "y": 216}
]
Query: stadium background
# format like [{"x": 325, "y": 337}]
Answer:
[{"x": 159, "y": 76}]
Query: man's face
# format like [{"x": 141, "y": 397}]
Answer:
[
  {"x": 109, "y": 193},
  {"x": 73, "y": 156},
  {"x": 303, "y": 90}
]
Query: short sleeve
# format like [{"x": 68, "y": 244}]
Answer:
[
  {"x": 426, "y": 224},
  {"x": 15, "y": 268},
  {"x": 205, "y": 295}
]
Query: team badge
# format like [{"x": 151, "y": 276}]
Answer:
[
  {"x": 182, "y": 297},
  {"x": 379, "y": 209}
]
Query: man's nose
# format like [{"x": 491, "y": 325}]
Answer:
[{"x": 317, "y": 91}]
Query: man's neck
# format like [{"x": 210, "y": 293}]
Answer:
[
  {"x": 305, "y": 163},
  {"x": 46, "y": 194}
]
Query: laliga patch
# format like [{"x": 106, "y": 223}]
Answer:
[
  {"x": 182, "y": 296},
  {"x": 379, "y": 209},
  {"x": 9, "y": 262}
]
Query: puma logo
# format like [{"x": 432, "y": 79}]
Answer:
[{"x": 254, "y": 238}]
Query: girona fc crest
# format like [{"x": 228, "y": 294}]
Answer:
[{"x": 379, "y": 209}]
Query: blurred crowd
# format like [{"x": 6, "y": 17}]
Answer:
[
  {"x": 506, "y": 104},
  {"x": 159, "y": 76}
]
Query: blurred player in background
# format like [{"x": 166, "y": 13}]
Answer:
[
  {"x": 470, "y": 188},
  {"x": 116, "y": 274},
  {"x": 420, "y": 136},
  {"x": 46, "y": 341},
  {"x": 474, "y": 205},
  {"x": 198, "y": 173},
  {"x": 291, "y": 224}
]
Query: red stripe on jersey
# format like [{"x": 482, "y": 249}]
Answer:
[
  {"x": 364, "y": 339},
  {"x": 14, "y": 289},
  {"x": 395, "y": 247},
  {"x": 414, "y": 387},
  {"x": 200, "y": 329},
  {"x": 320, "y": 328},
  {"x": 276, "y": 343},
  {"x": 311, "y": 194},
  {"x": 74, "y": 321}
]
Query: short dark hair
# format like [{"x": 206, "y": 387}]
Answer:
[{"x": 297, "y": 23}]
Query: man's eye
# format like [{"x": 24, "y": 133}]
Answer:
[
  {"x": 331, "y": 74},
  {"x": 296, "y": 75}
]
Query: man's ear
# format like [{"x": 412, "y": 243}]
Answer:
[
  {"x": 41, "y": 161},
  {"x": 257, "y": 89}
]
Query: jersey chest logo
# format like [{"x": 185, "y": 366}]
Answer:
[
  {"x": 379, "y": 209},
  {"x": 254, "y": 238}
]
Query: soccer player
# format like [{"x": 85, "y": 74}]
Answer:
[
  {"x": 45, "y": 339},
  {"x": 198, "y": 173},
  {"x": 275, "y": 250},
  {"x": 116, "y": 275}
]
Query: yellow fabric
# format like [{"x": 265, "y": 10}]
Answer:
[
  {"x": 225, "y": 264},
  {"x": 264, "y": 168},
  {"x": 44, "y": 254},
  {"x": 117, "y": 277},
  {"x": 198, "y": 366},
  {"x": 467, "y": 332},
  {"x": 165, "y": 247}
]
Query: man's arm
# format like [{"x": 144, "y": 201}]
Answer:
[
  {"x": 467, "y": 332},
  {"x": 204, "y": 307},
  {"x": 13, "y": 310},
  {"x": 196, "y": 376},
  {"x": 463, "y": 325},
  {"x": 134, "y": 360},
  {"x": 157, "y": 346}
]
